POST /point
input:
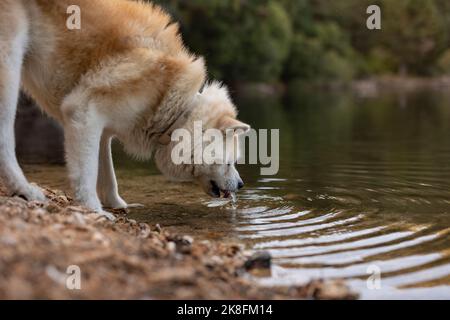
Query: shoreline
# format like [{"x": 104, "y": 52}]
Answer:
[
  {"x": 125, "y": 259},
  {"x": 366, "y": 87}
]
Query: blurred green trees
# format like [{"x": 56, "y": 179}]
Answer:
[{"x": 273, "y": 40}]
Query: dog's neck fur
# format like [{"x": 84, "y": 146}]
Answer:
[
  {"x": 207, "y": 107},
  {"x": 181, "y": 120},
  {"x": 144, "y": 138}
]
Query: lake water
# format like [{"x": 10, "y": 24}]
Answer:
[
  {"x": 364, "y": 186},
  {"x": 363, "y": 189}
]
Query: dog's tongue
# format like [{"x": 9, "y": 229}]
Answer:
[{"x": 226, "y": 194}]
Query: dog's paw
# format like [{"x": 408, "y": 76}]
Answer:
[
  {"x": 107, "y": 215},
  {"x": 30, "y": 192},
  {"x": 115, "y": 202},
  {"x": 95, "y": 206}
]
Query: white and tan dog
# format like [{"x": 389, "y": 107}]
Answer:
[{"x": 125, "y": 73}]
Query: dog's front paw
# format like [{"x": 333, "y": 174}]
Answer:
[
  {"x": 30, "y": 192},
  {"x": 107, "y": 215},
  {"x": 114, "y": 202},
  {"x": 95, "y": 205}
]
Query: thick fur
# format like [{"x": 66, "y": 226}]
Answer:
[{"x": 124, "y": 74}]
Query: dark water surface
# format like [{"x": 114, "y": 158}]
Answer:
[{"x": 364, "y": 184}]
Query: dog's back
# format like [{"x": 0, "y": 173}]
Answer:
[{"x": 57, "y": 56}]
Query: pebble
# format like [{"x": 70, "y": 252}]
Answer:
[
  {"x": 184, "y": 244},
  {"x": 79, "y": 218},
  {"x": 330, "y": 290},
  {"x": 259, "y": 260},
  {"x": 52, "y": 241},
  {"x": 145, "y": 230},
  {"x": 53, "y": 208},
  {"x": 171, "y": 246}
]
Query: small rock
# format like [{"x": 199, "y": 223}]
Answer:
[
  {"x": 8, "y": 240},
  {"x": 39, "y": 213},
  {"x": 79, "y": 218},
  {"x": 145, "y": 231},
  {"x": 53, "y": 208},
  {"x": 56, "y": 275},
  {"x": 259, "y": 260},
  {"x": 187, "y": 239},
  {"x": 20, "y": 199},
  {"x": 234, "y": 248},
  {"x": 330, "y": 290},
  {"x": 63, "y": 199},
  {"x": 213, "y": 261},
  {"x": 171, "y": 246},
  {"x": 184, "y": 244}
]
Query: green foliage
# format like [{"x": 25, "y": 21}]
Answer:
[
  {"x": 444, "y": 62},
  {"x": 305, "y": 58},
  {"x": 327, "y": 55},
  {"x": 415, "y": 33},
  {"x": 266, "y": 42},
  {"x": 379, "y": 61},
  {"x": 242, "y": 40},
  {"x": 272, "y": 40}
]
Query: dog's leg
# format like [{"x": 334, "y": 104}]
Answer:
[
  {"x": 107, "y": 184},
  {"x": 83, "y": 129},
  {"x": 12, "y": 49}
]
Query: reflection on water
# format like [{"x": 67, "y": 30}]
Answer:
[{"x": 363, "y": 182}]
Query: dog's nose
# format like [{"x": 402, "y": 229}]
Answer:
[{"x": 240, "y": 184}]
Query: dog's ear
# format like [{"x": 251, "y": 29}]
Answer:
[{"x": 230, "y": 123}]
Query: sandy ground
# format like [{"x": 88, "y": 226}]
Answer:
[{"x": 123, "y": 259}]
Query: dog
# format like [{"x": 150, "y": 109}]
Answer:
[{"x": 123, "y": 74}]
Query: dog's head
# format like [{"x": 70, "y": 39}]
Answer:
[{"x": 212, "y": 154}]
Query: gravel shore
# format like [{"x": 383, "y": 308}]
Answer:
[{"x": 42, "y": 244}]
